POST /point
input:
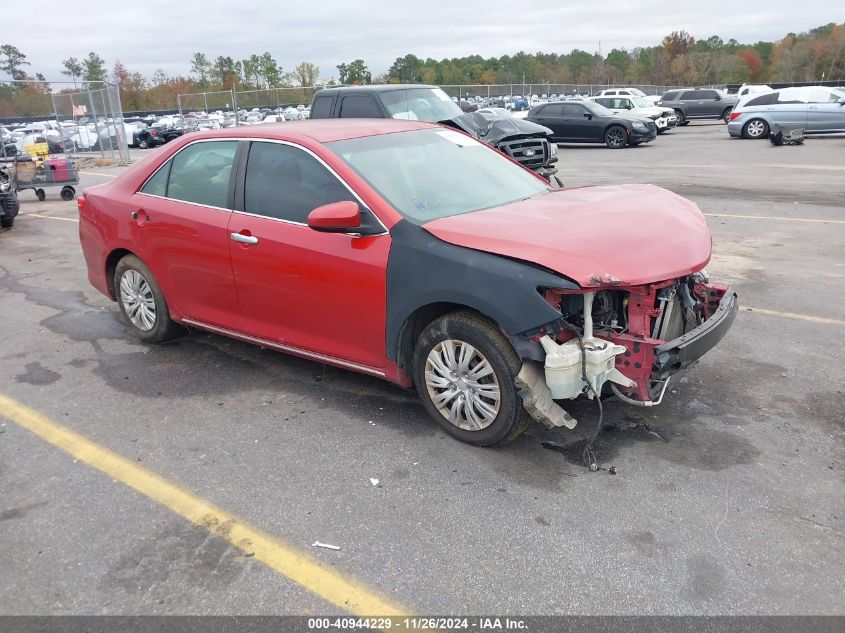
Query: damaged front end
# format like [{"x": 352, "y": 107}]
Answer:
[
  {"x": 630, "y": 340},
  {"x": 527, "y": 143}
]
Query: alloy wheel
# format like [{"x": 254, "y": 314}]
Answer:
[
  {"x": 756, "y": 129},
  {"x": 616, "y": 137}
]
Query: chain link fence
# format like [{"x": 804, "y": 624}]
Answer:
[
  {"x": 234, "y": 105},
  {"x": 77, "y": 120}
]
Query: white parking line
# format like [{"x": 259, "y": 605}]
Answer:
[
  {"x": 92, "y": 173},
  {"x": 774, "y": 217},
  {"x": 49, "y": 217},
  {"x": 795, "y": 315}
]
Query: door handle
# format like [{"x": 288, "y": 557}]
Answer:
[{"x": 244, "y": 239}]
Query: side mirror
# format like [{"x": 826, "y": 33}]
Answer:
[
  {"x": 589, "y": 116},
  {"x": 718, "y": 97},
  {"x": 336, "y": 217}
]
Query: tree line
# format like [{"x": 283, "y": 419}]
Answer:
[{"x": 680, "y": 59}]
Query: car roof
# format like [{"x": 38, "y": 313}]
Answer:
[
  {"x": 372, "y": 88},
  {"x": 320, "y": 130}
]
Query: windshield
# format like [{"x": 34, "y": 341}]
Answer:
[
  {"x": 639, "y": 102},
  {"x": 420, "y": 104},
  {"x": 430, "y": 174}
]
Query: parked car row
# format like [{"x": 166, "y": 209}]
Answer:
[{"x": 151, "y": 131}]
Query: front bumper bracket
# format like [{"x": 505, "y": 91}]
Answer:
[{"x": 683, "y": 351}]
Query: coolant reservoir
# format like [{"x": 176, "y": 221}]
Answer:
[{"x": 564, "y": 371}]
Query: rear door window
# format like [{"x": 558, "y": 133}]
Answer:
[
  {"x": 359, "y": 107},
  {"x": 553, "y": 110},
  {"x": 766, "y": 99},
  {"x": 201, "y": 172},
  {"x": 157, "y": 184},
  {"x": 573, "y": 109}
]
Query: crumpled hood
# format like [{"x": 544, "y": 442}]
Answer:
[
  {"x": 596, "y": 236},
  {"x": 497, "y": 129}
]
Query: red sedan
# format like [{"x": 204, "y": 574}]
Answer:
[{"x": 416, "y": 254}]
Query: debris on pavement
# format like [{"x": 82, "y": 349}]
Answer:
[
  {"x": 325, "y": 545},
  {"x": 374, "y": 481}
]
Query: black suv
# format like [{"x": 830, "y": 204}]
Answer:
[
  {"x": 527, "y": 143},
  {"x": 699, "y": 103}
]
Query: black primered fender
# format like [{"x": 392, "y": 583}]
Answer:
[{"x": 424, "y": 270}]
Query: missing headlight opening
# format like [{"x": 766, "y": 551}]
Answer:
[{"x": 628, "y": 340}]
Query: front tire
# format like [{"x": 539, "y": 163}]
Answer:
[
  {"x": 755, "y": 128},
  {"x": 616, "y": 137},
  {"x": 682, "y": 120},
  {"x": 464, "y": 371},
  {"x": 141, "y": 302}
]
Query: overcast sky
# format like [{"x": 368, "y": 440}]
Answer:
[{"x": 150, "y": 34}]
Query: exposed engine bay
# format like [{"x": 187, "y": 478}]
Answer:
[{"x": 630, "y": 340}]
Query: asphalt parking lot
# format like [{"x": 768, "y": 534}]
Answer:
[{"x": 729, "y": 498}]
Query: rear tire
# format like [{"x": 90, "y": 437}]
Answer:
[
  {"x": 68, "y": 193},
  {"x": 141, "y": 302},
  {"x": 726, "y": 115},
  {"x": 143, "y": 143},
  {"x": 755, "y": 128},
  {"x": 6, "y": 222},
  {"x": 465, "y": 363},
  {"x": 616, "y": 137},
  {"x": 39, "y": 193}
]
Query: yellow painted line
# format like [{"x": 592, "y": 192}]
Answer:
[
  {"x": 327, "y": 583},
  {"x": 774, "y": 217},
  {"x": 795, "y": 315},
  {"x": 49, "y": 217},
  {"x": 93, "y": 173}
]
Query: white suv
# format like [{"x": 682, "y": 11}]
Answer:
[
  {"x": 630, "y": 92},
  {"x": 664, "y": 118}
]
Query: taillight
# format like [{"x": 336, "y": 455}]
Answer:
[
  {"x": 734, "y": 115},
  {"x": 154, "y": 133},
  {"x": 80, "y": 202}
]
